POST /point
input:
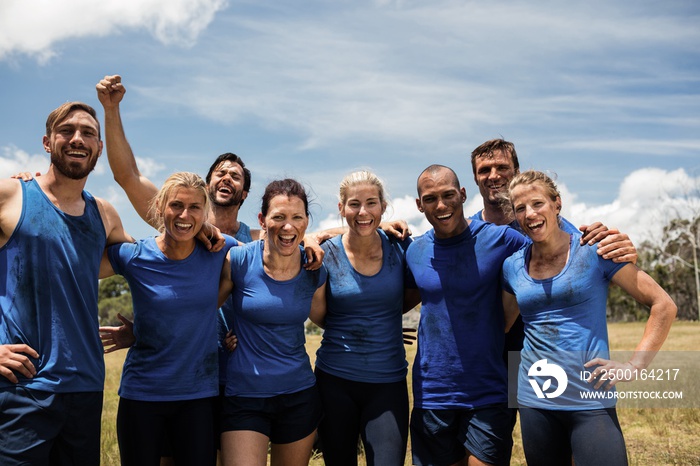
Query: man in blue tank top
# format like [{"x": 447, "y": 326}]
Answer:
[{"x": 52, "y": 237}]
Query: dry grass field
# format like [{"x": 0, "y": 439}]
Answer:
[{"x": 658, "y": 436}]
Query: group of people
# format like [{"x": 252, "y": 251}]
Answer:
[{"x": 217, "y": 356}]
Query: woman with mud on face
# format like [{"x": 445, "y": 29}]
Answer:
[
  {"x": 560, "y": 288},
  {"x": 271, "y": 395},
  {"x": 170, "y": 376},
  {"x": 361, "y": 364}
]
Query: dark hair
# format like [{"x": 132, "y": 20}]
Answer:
[
  {"x": 60, "y": 114},
  {"x": 286, "y": 187},
  {"x": 233, "y": 158},
  {"x": 495, "y": 145}
]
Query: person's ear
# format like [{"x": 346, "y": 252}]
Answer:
[{"x": 419, "y": 205}]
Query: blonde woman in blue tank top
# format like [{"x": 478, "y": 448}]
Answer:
[{"x": 361, "y": 365}]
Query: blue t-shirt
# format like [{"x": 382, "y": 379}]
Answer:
[
  {"x": 225, "y": 318},
  {"x": 48, "y": 293},
  {"x": 175, "y": 356},
  {"x": 564, "y": 320},
  {"x": 459, "y": 363},
  {"x": 363, "y": 338},
  {"x": 565, "y": 225},
  {"x": 268, "y": 318}
]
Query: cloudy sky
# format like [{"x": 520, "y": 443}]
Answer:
[{"x": 606, "y": 95}]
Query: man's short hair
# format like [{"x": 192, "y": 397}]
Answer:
[
  {"x": 60, "y": 114},
  {"x": 488, "y": 148}
]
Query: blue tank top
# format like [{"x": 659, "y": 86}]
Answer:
[
  {"x": 363, "y": 338},
  {"x": 48, "y": 293}
]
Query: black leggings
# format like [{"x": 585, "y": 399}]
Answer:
[
  {"x": 142, "y": 426},
  {"x": 593, "y": 437},
  {"x": 378, "y": 412}
]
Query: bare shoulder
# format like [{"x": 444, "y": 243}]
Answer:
[
  {"x": 8, "y": 187},
  {"x": 112, "y": 223},
  {"x": 10, "y": 207}
]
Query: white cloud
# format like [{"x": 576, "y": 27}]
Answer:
[
  {"x": 419, "y": 72},
  {"x": 14, "y": 161},
  {"x": 149, "y": 167},
  {"x": 647, "y": 200},
  {"x": 35, "y": 27}
]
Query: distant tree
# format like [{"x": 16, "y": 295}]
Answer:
[
  {"x": 673, "y": 262},
  {"x": 672, "y": 258},
  {"x": 114, "y": 297},
  {"x": 112, "y": 287},
  {"x": 679, "y": 248}
]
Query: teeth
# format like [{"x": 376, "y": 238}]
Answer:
[
  {"x": 364, "y": 222},
  {"x": 76, "y": 153},
  {"x": 443, "y": 217},
  {"x": 535, "y": 225},
  {"x": 183, "y": 225},
  {"x": 287, "y": 237}
]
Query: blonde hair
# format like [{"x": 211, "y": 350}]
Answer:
[
  {"x": 533, "y": 176},
  {"x": 358, "y": 178},
  {"x": 527, "y": 178},
  {"x": 176, "y": 181}
]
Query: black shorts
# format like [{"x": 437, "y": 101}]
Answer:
[
  {"x": 282, "y": 418},
  {"x": 440, "y": 436},
  {"x": 36, "y": 425}
]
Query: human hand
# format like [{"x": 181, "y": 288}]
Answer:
[
  {"x": 231, "y": 341},
  {"x": 211, "y": 237},
  {"x": 618, "y": 247},
  {"x": 110, "y": 91},
  {"x": 314, "y": 253},
  {"x": 25, "y": 176},
  {"x": 408, "y": 339},
  {"x": 398, "y": 228},
  {"x": 116, "y": 338},
  {"x": 609, "y": 371},
  {"x": 13, "y": 358},
  {"x": 593, "y": 233}
]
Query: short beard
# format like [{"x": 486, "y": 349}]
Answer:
[
  {"x": 235, "y": 200},
  {"x": 67, "y": 169}
]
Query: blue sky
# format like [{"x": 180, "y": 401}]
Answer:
[{"x": 606, "y": 95}]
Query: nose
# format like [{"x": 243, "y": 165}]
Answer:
[{"x": 77, "y": 138}]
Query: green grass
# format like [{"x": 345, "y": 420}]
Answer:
[{"x": 660, "y": 436}]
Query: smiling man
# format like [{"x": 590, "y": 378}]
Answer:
[
  {"x": 52, "y": 237},
  {"x": 460, "y": 413}
]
